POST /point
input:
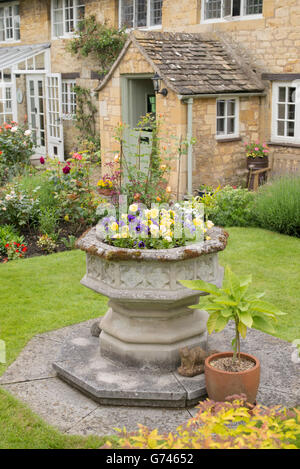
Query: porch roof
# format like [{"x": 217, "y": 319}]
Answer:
[
  {"x": 12, "y": 55},
  {"x": 193, "y": 64}
]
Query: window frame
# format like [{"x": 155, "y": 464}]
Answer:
[
  {"x": 7, "y": 85},
  {"x": 275, "y": 113},
  {"x": 68, "y": 104},
  {"x": 13, "y": 39},
  {"x": 65, "y": 35},
  {"x": 148, "y": 21},
  {"x": 236, "y": 133},
  {"x": 223, "y": 19}
]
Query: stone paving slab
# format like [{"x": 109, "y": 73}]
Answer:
[
  {"x": 31, "y": 363},
  {"x": 104, "y": 420},
  {"x": 56, "y": 402}
]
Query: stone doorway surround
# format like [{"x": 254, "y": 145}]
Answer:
[{"x": 32, "y": 379}]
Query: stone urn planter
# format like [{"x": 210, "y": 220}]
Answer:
[{"x": 149, "y": 319}]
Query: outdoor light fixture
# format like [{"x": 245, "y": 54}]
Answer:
[{"x": 156, "y": 84}]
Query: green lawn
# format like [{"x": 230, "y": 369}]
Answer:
[{"x": 42, "y": 294}]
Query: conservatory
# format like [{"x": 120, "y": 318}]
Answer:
[{"x": 29, "y": 92}]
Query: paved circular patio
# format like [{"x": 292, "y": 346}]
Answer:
[{"x": 32, "y": 379}]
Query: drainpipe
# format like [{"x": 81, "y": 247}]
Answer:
[{"x": 190, "y": 147}]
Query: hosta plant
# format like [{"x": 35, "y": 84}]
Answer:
[{"x": 234, "y": 302}]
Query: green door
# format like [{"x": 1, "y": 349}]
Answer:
[{"x": 138, "y": 99}]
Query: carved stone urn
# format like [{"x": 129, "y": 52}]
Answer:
[{"x": 149, "y": 320}]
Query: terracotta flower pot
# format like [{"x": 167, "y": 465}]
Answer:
[{"x": 222, "y": 384}]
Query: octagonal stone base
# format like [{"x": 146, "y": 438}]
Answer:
[{"x": 81, "y": 366}]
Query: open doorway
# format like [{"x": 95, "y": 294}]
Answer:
[{"x": 138, "y": 99}]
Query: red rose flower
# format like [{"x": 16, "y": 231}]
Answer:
[{"x": 24, "y": 249}]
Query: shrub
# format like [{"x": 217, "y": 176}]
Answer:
[
  {"x": 233, "y": 207},
  {"x": 16, "y": 147},
  {"x": 277, "y": 206},
  {"x": 224, "y": 425},
  {"x": 18, "y": 208}
]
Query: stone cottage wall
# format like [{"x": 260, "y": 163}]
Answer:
[
  {"x": 270, "y": 44},
  {"x": 222, "y": 161}
]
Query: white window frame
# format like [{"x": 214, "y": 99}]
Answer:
[
  {"x": 68, "y": 103},
  {"x": 11, "y": 86},
  {"x": 15, "y": 18},
  {"x": 224, "y": 19},
  {"x": 65, "y": 34},
  {"x": 148, "y": 23},
  {"x": 236, "y": 133},
  {"x": 275, "y": 114}
]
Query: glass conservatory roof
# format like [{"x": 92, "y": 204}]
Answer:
[{"x": 13, "y": 55}]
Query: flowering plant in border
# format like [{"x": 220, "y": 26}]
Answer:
[
  {"x": 17, "y": 207},
  {"x": 16, "y": 148},
  {"x": 256, "y": 150},
  {"x": 15, "y": 250},
  {"x": 160, "y": 227},
  {"x": 223, "y": 425}
]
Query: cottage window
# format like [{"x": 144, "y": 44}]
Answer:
[
  {"x": 140, "y": 13},
  {"x": 9, "y": 22},
  {"x": 66, "y": 14},
  {"x": 6, "y": 107},
  {"x": 226, "y": 9},
  {"x": 227, "y": 118},
  {"x": 68, "y": 99},
  {"x": 286, "y": 112}
]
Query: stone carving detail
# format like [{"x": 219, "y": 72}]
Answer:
[
  {"x": 192, "y": 361},
  {"x": 147, "y": 276},
  {"x": 205, "y": 269}
]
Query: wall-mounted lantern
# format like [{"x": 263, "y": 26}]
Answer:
[{"x": 157, "y": 84}]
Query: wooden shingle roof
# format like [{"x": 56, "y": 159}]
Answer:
[{"x": 193, "y": 64}]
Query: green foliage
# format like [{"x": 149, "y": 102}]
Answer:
[
  {"x": 233, "y": 302},
  {"x": 277, "y": 206},
  {"x": 102, "y": 41},
  {"x": 16, "y": 148},
  {"x": 48, "y": 221},
  {"x": 232, "y": 207},
  {"x": 18, "y": 207},
  {"x": 9, "y": 235},
  {"x": 69, "y": 242},
  {"x": 145, "y": 181},
  {"x": 85, "y": 114},
  {"x": 223, "y": 425}
]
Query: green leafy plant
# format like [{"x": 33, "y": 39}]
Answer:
[
  {"x": 222, "y": 425},
  {"x": 232, "y": 207},
  {"x": 48, "y": 221},
  {"x": 85, "y": 118},
  {"x": 102, "y": 41},
  {"x": 233, "y": 302},
  {"x": 69, "y": 242}
]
